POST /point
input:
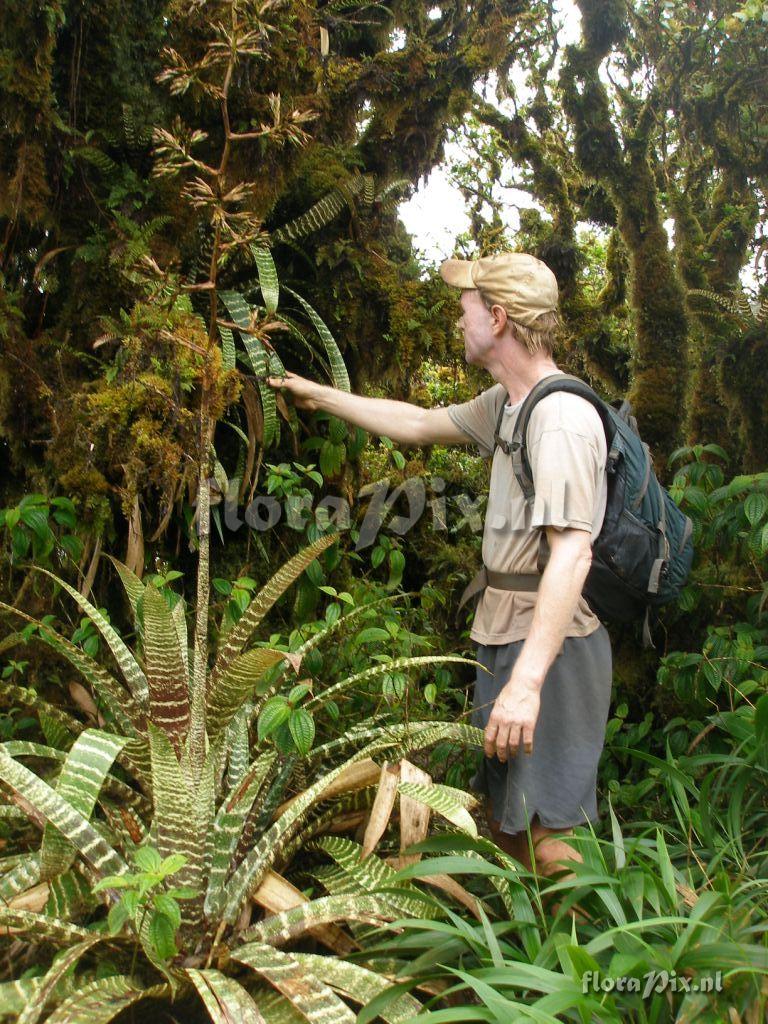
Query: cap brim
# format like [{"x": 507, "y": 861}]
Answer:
[{"x": 457, "y": 273}]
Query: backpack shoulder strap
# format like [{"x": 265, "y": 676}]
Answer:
[{"x": 517, "y": 448}]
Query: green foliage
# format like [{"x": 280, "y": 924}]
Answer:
[{"x": 148, "y": 901}]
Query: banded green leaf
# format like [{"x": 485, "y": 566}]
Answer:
[
  {"x": 335, "y": 358},
  {"x": 66, "y": 818},
  {"x": 79, "y": 784},
  {"x": 137, "y": 683},
  {"x": 226, "y": 1001},
  {"x": 243, "y": 630},
  {"x": 268, "y": 280},
  {"x": 167, "y": 680},
  {"x": 101, "y": 1001},
  {"x": 311, "y": 997}
]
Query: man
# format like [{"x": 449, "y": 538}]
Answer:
[{"x": 548, "y": 656}]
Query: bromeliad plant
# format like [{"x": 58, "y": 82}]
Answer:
[{"x": 177, "y": 767}]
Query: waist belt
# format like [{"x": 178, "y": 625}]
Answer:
[{"x": 528, "y": 582}]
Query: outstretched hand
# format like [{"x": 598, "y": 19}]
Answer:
[{"x": 304, "y": 392}]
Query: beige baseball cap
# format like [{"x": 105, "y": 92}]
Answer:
[{"x": 522, "y": 284}]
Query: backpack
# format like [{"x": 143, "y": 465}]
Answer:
[{"x": 642, "y": 556}]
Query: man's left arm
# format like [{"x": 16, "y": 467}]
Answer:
[{"x": 516, "y": 709}]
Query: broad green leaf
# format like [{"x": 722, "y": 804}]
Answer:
[{"x": 302, "y": 726}]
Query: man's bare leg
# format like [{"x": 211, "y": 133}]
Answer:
[{"x": 547, "y": 851}]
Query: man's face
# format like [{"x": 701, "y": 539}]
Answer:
[{"x": 476, "y": 322}]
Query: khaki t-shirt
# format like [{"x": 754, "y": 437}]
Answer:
[{"x": 567, "y": 452}]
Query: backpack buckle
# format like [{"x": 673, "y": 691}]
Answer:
[{"x": 506, "y": 446}]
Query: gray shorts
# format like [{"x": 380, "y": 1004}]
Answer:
[{"x": 558, "y": 780}]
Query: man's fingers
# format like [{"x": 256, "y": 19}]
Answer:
[
  {"x": 514, "y": 739},
  {"x": 502, "y": 738},
  {"x": 490, "y": 738},
  {"x": 528, "y": 739}
]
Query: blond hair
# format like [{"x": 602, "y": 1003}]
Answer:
[{"x": 541, "y": 337}]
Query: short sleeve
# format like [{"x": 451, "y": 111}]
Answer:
[
  {"x": 567, "y": 465},
  {"x": 477, "y": 418}
]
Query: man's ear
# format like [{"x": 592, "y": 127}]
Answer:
[{"x": 500, "y": 318}]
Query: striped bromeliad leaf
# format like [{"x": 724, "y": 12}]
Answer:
[
  {"x": 167, "y": 680},
  {"x": 268, "y": 280},
  {"x": 116, "y": 698},
  {"x": 14, "y": 995},
  {"x": 237, "y": 746},
  {"x": 359, "y": 984},
  {"x": 228, "y": 827},
  {"x": 135, "y": 678},
  {"x": 112, "y": 786},
  {"x": 226, "y": 1001},
  {"x": 42, "y": 927},
  {"x": 240, "y": 312},
  {"x": 315, "y": 1000},
  {"x": 69, "y": 896},
  {"x": 382, "y": 669},
  {"x": 260, "y": 859},
  {"x": 451, "y": 803},
  {"x": 79, "y": 783},
  {"x": 24, "y": 697},
  {"x": 278, "y": 929},
  {"x": 236, "y": 684},
  {"x": 101, "y": 1001},
  {"x": 35, "y": 1007},
  {"x": 275, "y": 1008},
  {"x": 175, "y": 818},
  {"x": 335, "y": 358},
  {"x": 66, "y": 818},
  {"x": 22, "y": 876},
  {"x": 372, "y": 874},
  {"x": 243, "y": 630}
]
